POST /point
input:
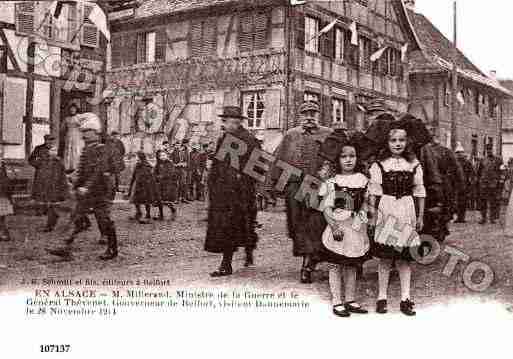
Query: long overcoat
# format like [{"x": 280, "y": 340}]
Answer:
[
  {"x": 53, "y": 185},
  {"x": 232, "y": 201},
  {"x": 143, "y": 187},
  {"x": 165, "y": 176}
]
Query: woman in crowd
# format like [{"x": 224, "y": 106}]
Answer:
[
  {"x": 143, "y": 188},
  {"x": 164, "y": 176}
]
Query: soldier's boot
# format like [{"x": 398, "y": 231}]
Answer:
[
  {"x": 249, "y": 258},
  {"x": 52, "y": 220},
  {"x": 225, "y": 268},
  {"x": 112, "y": 249},
  {"x": 306, "y": 270}
]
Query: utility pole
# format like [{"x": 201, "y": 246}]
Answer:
[{"x": 454, "y": 110}]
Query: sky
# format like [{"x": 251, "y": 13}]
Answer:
[{"x": 485, "y": 33}]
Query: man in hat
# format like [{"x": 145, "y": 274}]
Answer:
[
  {"x": 40, "y": 156},
  {"x": 93, "y": 189},
  {"x": 442, "y": 176},
  {"x": 232, "y": 197},
  {"x": 300, "y": 148},
  {"x": 488, "y": 177},
  {"x": 469, "y": 177},
  {"x": 183, "y": 167},
  {"x": 115, "y": 144}
]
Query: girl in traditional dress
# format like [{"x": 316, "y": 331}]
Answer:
[
  {"x": 344, "y": 242},
  {"x": 396, "y": 189},
  {"x": 164, "y": 175},
  {"x": 6, "y": 207},
  {"x": 143, "y": 188},
  {"x": 73, "y": 142}
]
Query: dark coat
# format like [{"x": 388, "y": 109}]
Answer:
[
  {"x": 489, "y": 172},
  {"x": 54, "y": 187},
  {"x": 5, "y": 183},
  {"x": 143, "y": 187},
  {"x": 232, "y": 202},
  {"x": 468, "y": 172},
  {"x": 95, "y": 171},
  {"x": 37, "y": 158},
  {"x": 166, "y": 178}
]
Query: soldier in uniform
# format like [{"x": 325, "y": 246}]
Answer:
[
  {"x": 94, "y": 189},
  {"x": 463, "y": 191},
  {"x": 488, "y": 176},
  {"x": 300, "y": 149}
]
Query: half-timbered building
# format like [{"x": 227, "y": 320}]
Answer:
[
  {"x": 49, "y": 63},
  {"x": 479, "y": 97},
  {"x": 174, "y": 64}
]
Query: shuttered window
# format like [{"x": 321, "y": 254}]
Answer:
[
  {"x": 253, "y": 31},
  {"x": 160, "y": 46},
  {"x": 338, "y": 111},
  {"x": 203, "y": 37},
  {"x": 72, "y": 21},
  {"x": 365, "y": 53},
  {"x": 141, "y": 48},
  {"x": 116, "y": 50},
  {"x": 340, "y": 43},
  {"x": 25, "y": 17},
  {"x": 90, "y": 34},
  {"x": 327, "y": 41}
]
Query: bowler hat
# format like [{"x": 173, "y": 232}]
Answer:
[{"x": 232, "y": 112}]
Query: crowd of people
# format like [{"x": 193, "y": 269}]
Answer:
[{"x": 422, "y": 185}]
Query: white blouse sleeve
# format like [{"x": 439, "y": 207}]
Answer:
[
  {"x": 327, "y": 197},
  {"x": 419, "y": 190},
  {"x": 376, "y": 180}
]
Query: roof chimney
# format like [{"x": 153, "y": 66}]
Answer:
[
  {"x": 410, "y": 4},
  {"x": 493, "y": 74}
]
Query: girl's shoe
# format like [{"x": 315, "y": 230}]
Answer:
[
  {"x": 353, "y": 307},
  {"x": 406, "y": 307},
  {"x": 381, "y": 306},
  {"x": 340, "y": 310}
]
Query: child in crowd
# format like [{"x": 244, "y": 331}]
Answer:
[
  {"x": 396, "y": 189},
  {"x": 143, "y": 188},
  {"x": 344, "y": 242},
  {"x": 165, "y": 178}
]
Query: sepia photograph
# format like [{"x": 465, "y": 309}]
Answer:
[{"x": 252, "y": 178}]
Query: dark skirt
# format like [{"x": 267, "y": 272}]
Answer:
[
  {"x": 383, "y": 251},
  {"x": 325, "y": 255}
]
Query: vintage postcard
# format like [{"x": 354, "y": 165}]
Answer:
[{"x": 255, "y": 178}]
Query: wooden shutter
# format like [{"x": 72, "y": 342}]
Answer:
[
  {"x": 272, "y": 112},
  {"x": 210, "y": 36},
  {"x": 160, "y": 46},
  {"x": 13, "y": 113},
  {"x": 129, "y": 51},
  {"x": 260, "y": 30},
  {"x": 90, "y": 34},
  {"x": 116, "y": 50},
  {"x": 246, "y": 33},
  {"x": 196, "y": 40},
  {"x": 141, "y": 48},
  {"x": 329, "y": 43},
  {"x": 25, "y": 17},
  {"x": 300, "y": 31}
]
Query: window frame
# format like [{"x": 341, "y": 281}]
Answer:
[
  {"x": 253, "y": 31},
  {"x": 312, "y": 38},
  {"x": 254, "y": 119},
  {"x": 343, "y": 102}
]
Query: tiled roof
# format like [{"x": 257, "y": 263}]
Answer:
[
  {"x": 150, "y": 8},
  {"x": 437, "y": 54}
]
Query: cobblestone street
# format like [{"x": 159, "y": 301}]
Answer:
[{"x": 173, "y": 250}]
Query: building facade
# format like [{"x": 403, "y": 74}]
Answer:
[
  {"x": 480, "y": 97},
  {"x": 175, "y": 64},
  {"x": 507, "y": 124},
  {"x": 49, "y": 64}
]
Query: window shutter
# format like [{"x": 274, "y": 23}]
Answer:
[
  {"x": 160, "y": 46},
  {"x": 300, "y": 31},
  {"x": 72, "y": 22},
  {"x": 196, "y": 38},
  {"x": 141, "y": 48},
  {"x": 90, "y": 35},
  {"x": 129, "y": 51},
  {"x": 260, "y": 30},
  {"x": 117, "y": 49},
  {"x": 13, "y": 113},
  {"x": 246, "y": 33},
  {"x": 327, "y": 110},
  {"x": 330, "y": 43},
  {"x": 25, "y": 17},
  {"x": 272, "y": 110},
  {"x": 209, "y": 37},
  {"x": 321, "y": 39}
]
